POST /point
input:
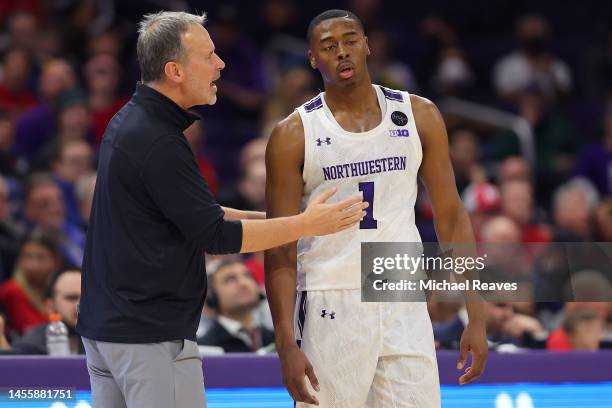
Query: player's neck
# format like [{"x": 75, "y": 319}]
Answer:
[{"x": 359, "y": 97}]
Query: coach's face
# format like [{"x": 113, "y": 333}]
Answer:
[
  {"x": 339, "y": 49},
  {"x": 202, "y": 67}
]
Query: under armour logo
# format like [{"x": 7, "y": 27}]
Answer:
[
  {"x": 326, "y": 141},
  {"x": 331, "y": 315}
]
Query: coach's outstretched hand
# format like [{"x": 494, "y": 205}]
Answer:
[
  {"x": 321, "y": 218},
  {"x": 473, "y": 340},
  {"x": 296, "y": 367}
]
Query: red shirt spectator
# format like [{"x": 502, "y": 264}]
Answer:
[
  {"x": 558, "y": 341},
  {"x": 23, "y": 295},
  {"x": 23, "y": 314},
  {"x": 101, "y": 117},
  {"x": 14, "y": 95}
]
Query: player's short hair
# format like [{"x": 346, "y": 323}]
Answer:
[
  {"x": 328, "y": 15},
  {"x": 159, "y": 41}
]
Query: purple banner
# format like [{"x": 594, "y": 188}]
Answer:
[{"x": 246, "y": 370}]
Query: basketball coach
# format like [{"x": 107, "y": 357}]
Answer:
[{"x": 153, "y": 216}]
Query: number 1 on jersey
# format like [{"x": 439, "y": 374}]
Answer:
[{"x": 368, "y": 222}]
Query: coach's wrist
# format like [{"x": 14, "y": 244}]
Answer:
[{"x": 301, "y": 225}]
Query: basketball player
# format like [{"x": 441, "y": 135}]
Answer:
[{"x": 357, "y": 136}]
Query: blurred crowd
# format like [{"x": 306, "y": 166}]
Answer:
[{"x": 66, "y": 67}]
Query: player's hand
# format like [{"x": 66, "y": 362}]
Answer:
[
  {"x": 473, "y": 340},
  {"x": 296, "y": 367},
  {"x": 321, "y": 218}
]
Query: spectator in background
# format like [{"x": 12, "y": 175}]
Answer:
[
  {"x": 235, "y": 296},
  {"x": 49, "y": 44},
  {"x": 437, "y": 34},
  {"x": 4, "y": 344},
  {"x": 504, "y": 326},
  {"x": 384, "y": 69},
  {"x": 73, "y": 123},
  {"x": 250, "y": 191},
  {"x": 62, "y": 297},
  {"x": 44, "y": 206},
  {"x": 37, "y": 126},
  {"x": 482, "y": 201},
  {"x": 242, "y": 90},
  {"x": 7, "y": 136},
  {"x": 589, "y": 292},
  {"x": 251, "y": 188},
  {"x": 295, "y": 85},
  {"x": 517, "y": 202},
  {"x": 15, "y": 97},
  {"x": 107, "y": 42},
  {"x": 23, "y": 295},
  {"x": 555, "y": 143},
  {"x": 195, "y": 137},
  {"x": 506, "y": 257},
  {"x": 532, "y": 64},
  {"x": 584, "y": 330},
  {"x": 573, "y": 204},
  {"x": 603, "y": 221},
  {"x": 23, "y": 31},
  {"x": 464, "y": 151},
  {"x": 73, "y": 160},
  {"x": 278, "y": 31},
  {"x": 8, "y": 234},
  {"x": 103, "y": 75},
  {"x": 84, "y": 189},
  {"x": 514, "y": 168},
  {"x": 453, "y": 75},
  {"x": 595, "y": 161}
]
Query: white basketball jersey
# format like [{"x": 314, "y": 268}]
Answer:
[{"x": 382, "y": 163}]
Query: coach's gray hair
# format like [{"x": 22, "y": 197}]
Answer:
[{"x": 159, "y": 41}]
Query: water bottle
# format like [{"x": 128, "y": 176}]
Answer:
[{"x": 57, "y": 337}]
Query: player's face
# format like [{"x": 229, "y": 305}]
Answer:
[
  {"x": 202, "y": 66},
  {"x": 338, "y": 49}
]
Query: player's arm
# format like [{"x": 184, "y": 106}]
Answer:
[
  {"x": 451, "y": 221},
  {"x": 284, "y": 185},
  {"x": 234, "y": 214}
]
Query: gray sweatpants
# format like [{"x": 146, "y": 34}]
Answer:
[{"x": 153, "y": 375}]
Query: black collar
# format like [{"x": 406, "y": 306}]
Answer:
[{"x": 163, "y": 107}]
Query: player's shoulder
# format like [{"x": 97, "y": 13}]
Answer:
[
  {"x": 287, "y": 135},
  {"x": 424, "y": 110},
  {"x": 421, "y": 104},
  {"x": 313, "y": 104}
]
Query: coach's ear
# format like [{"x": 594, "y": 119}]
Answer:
[
  {"x": 311, "y": 59},
  {"x": 173, "y": 71}
]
